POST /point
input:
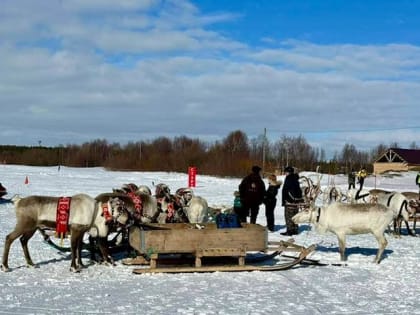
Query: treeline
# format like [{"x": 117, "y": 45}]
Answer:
[{"x": 232, "y": 156}]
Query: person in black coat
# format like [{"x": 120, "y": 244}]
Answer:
[
  {"x": 270, "y": 200},
  {"x": 251, "y": 191},
  {"x": 352, "y": 179},
  {"x": 291, "y": 196}
]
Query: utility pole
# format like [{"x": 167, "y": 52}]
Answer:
[{"x": 263, "y": 153}]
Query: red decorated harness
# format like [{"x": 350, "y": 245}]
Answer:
[
  {"x": 106, "y": 212},
  {"x": 138, "y": 205},
  {"x": 62, "y": 215}
]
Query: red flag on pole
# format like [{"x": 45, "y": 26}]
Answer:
[
  {"x": 26, "y": 180},
  {"x": 192, "y": 172}
]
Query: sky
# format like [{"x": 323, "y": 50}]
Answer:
[
  {"x": 360, "y": 287},
  {"x": 335, "y": 72}
]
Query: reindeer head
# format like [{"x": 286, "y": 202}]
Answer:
[
  {"x": 162, "y": 191},
  {"x": 413, "y": 206},
  {"x": 129, "y": 188},
  {"x": 307, "y": 214},
  {"x": 185, "y": 194},
  {"x": 143, "y": 189},
  {"x": 119, "y": 211}
]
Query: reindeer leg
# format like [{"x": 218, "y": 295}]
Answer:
[
  {"x": 24, "y": 241},
  {"x": 409, "y": 231},
  {"x": 92, "y": 248},
  {"x": 342, "y": 245},
  {"x": 400, "y": 221},
  {"x": 382, "y": 242},
  {"x": 75, "y": 239},
  {"x": 396, "y": 232},
  {"x": 79, "y": 250},
  {"x": 10, "y": 238},
  {"x": 103, "y": 246}
]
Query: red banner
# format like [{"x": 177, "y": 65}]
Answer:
[
  {"x": 62, "y": 218},
  {"x": 192, "y": 173}
]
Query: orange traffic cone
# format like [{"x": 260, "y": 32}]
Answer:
[{"x": 26, "y": 180}]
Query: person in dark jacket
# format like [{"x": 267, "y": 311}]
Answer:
[
  {"x": 252, "y": 191},
  {"x": 418, "y": 182},
  {"x": 270, "y": 200},
  {"x": 291, "y": 196},
  {"x": 352, "y": 179}
]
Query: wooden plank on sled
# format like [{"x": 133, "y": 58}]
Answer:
[
  {"x": 228, "y": 268},
  {"x": 220, "y": 252},
  {"x": 181, "y": 238}
]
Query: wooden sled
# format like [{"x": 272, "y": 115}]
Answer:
[{"x": 209, "y": 243}]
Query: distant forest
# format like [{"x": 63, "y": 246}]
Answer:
[{"x": 232, "y": 156}]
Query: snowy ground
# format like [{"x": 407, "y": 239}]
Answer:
[{"x": 361, "y": 287}]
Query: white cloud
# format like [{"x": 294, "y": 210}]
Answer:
[
  {"x": 108, "y": 5},
  {"x": 125, "y": 76}
]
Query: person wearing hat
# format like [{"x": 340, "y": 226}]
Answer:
[
  {"x": 251, "y": 191},
  {"x": 270, "y": 200},
  {"x": 291, "y": 196}
]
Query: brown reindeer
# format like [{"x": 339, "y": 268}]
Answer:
[{"x": 86, "y": 215}]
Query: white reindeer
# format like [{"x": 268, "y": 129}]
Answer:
[
  {"x": 399, "y": 205},
  {"x": 196, "y": 207},
  {"x": 348, "y": 219}
]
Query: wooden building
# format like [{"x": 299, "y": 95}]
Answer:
[{"x": 395, "y": 159}]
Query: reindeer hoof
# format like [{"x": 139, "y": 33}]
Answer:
[
  {"x": 5, "y": 268},
  {"x": 31, "y": 265},
  {"x": 75, "y": 269},
  {"x": 377, "y": 260},
  {"x": 82, "y": 266},
  {"x": 109, "y": 263}
]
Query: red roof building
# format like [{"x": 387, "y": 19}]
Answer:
[{"x": 396, "y": 159}]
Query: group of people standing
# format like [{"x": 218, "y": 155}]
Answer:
[{"x": 253, "y": 193}]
